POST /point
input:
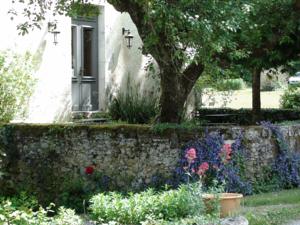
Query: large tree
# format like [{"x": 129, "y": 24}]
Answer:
[
  {"x": 181, "y": 35},
  {"x": 269, "y": 37}
]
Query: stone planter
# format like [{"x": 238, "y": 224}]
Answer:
[{"x": 229, "y": 202}]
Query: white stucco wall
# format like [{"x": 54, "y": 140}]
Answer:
[
  {"x": 51, "y": 101},
  {"x": 52, "y": 97},
  {"x": 123, "y": 62}
]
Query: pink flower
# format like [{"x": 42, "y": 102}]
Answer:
[
  {"x": 203, "y": 168},
  {"x": 226, "y": 152},
  {"x": 191, "y": 155}
]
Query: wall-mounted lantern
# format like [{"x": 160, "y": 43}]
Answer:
[
  {"x": 52, "y": 28},
  {"x": 128, "y": 37}
]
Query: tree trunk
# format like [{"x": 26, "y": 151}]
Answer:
[
  {"x": 256, "y": 101},
  {"x": 175, "y": 89},
  {"x": 171, "y": 104}
]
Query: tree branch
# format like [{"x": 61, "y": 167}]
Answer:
[
  {"x": 191, "y": 75},
  {"x": 297, "y": 5},
  {"x": 137, "y": 12}
]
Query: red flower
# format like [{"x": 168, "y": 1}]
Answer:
[
  {"x": 191, "y": 155},
  {"x": 203, "y": 168},
  {"x": 89, "y": 169}
]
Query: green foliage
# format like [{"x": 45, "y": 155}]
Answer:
[
  {"x": 136, "y": 208},
  {"x": 22, "y": 201},
  {"x": 34, "y": 11},
  {"x": 73, "y": 195},
  {"x": 77, "y": 191},
  {"x": 293, "y": 66},
  {"x": 16, "y": 84},
  {"x": 230, "y": 84},
  {"x": 78, "y": 9},
  {"x": 290, "y": 99},
  {"x": 273, "y": 208},
  {"x": 270, "y": 86},
  {"x": 12, "y": 214},
  {"x": 67, "y": 217},
  {"x": 133, "y": 107},
  {"x": 191, "y": 220},
  {"x": 186, "y": 126},
  {"x": 267, "y": 182},
  {"x": 291, "y": 196}
]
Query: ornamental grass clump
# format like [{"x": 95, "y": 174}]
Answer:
[
  {"x": 136, "y": 208},
  {"x": 215, "y": 162}
]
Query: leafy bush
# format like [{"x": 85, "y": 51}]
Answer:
[
  {"x": 22, "y": 201},
  {"x": 270, "y": 86},
  {"x": 133, "y": 107},
  {"x": 213, "y": 160},
  {"x": 230, "y": 84},
  {"x": 77, "y": 191},
  {"x": 136, "y": 208},
  {"x": 290, "y": 99},
  {"x": 11, "y": 214},
  {"x": 15, "y": 84}
]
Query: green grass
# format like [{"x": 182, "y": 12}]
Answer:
[
  {"x": 274, "y": 208},
  {"x": 274, "y": 198},
  {"x": 273, "y": 216}
]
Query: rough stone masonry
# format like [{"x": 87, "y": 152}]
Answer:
[{"x": 42, "y": 157}]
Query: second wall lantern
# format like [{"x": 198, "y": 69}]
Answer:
[{"x": 126, "y": 33}]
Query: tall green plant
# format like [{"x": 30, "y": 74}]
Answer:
[
  {"x": 16, "y": 84},
  {"x": 132, "y": 106},
  {"x": 136, "y": 208}
]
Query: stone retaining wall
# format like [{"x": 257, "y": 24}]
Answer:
[{"x": 42, "y": 157}]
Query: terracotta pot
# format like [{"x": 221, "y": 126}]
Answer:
[{"x": 230, "y": 202}]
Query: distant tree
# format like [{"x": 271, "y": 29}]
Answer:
[{"x": 268, "y": 37}]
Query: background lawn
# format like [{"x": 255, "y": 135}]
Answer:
[{"x": 242, "y": 99}]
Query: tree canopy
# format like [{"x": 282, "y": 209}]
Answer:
[{"x": 268, "y": 37}]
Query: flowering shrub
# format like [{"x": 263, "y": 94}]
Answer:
[
  {"x": 212, "y": 160},
  {"x": 286, "y": 167}
]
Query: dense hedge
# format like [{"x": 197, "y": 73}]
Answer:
[{"x": 244, "y": 116}]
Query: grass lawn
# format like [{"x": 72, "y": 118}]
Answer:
[
  {"x": 272, "y": 208},
  {"x": 243, "y": 99}
]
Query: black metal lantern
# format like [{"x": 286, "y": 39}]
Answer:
[
  {"x": 126, "y": 33},
  {"x": 52, "y": 28},
  {"x": 55, "y": 33}
]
